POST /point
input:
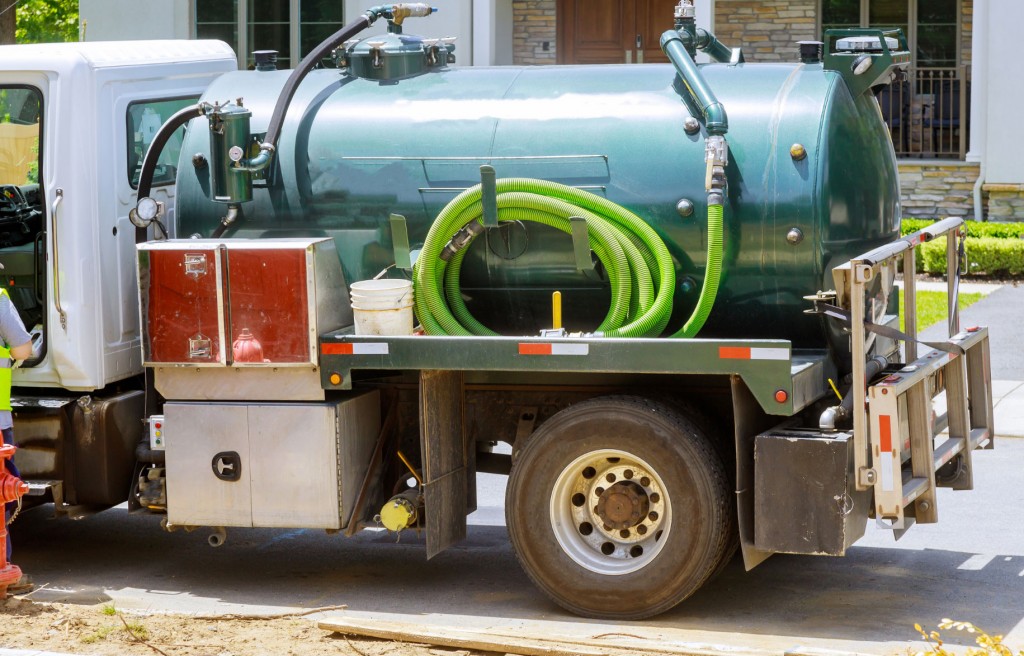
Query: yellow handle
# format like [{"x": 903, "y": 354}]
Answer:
[{"x": 835, "y": 389}]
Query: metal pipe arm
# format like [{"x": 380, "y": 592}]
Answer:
[
  {"x": 715, "y": 119},
  {"x": 905, "y": 243},
  {"x": 718, "y": 51}
]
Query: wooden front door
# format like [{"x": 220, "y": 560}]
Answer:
[{"x": 612, "y": 31}]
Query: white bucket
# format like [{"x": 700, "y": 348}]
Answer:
[{"x": 382, "y": 307}]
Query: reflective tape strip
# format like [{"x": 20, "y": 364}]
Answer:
[
  {"x": 365, "y": 348},
  {"x": 755, "y": 353},
  {"x": 888, "y": 482},
  {"x": 535, "y": 348}
]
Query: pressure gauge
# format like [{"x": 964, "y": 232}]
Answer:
[{"x": 236, "y": 153}]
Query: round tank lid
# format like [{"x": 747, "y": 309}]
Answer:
[{"x": 396, "y": 56}]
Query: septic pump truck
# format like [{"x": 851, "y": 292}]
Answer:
[{"x": 723, "y": 239}]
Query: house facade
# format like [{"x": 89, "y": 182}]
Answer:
[{"x": 951, "y": 119}]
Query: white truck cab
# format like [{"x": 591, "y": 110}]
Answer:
[{"x": 75, "y": 122}]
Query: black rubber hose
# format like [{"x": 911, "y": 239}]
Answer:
[
  {"x": 143, "y": 453},
  {"x": 156, "y": 147},
  {"x": 305, "y": 66}
]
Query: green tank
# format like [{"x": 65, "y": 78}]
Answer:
[{"x": 355, "y": 150}]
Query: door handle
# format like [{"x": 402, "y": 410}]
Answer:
[
  {"x": 227, "y": 466},
  {"x": 629, "y": 56},
  {"x": 58, "y": 199}
]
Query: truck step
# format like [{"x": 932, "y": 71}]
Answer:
[{"x": 40, "y": 488}]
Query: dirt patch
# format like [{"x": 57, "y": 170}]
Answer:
[{"x": 107, "y": 631}]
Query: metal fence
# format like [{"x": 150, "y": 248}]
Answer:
[{"x": 928, "y": 113}]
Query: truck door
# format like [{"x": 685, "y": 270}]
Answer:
[{"x": 22, "y": 212}]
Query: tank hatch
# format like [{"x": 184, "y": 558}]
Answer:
[{"x": 395, "y": 56}]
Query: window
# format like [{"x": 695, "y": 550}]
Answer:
[
  {"x": 319, "y": 19},
  {"x": 928, "y": 113},
  {"x": 269, "y": 29},
  {"x": 217, "y": 19},
  {"x": 931, "y": 26},
  {"x": 287, "y": 26},
  {"x": 20, "y": 111},
  {"x": 22, "y": 247},
  {"x": 144, "y": 120}
]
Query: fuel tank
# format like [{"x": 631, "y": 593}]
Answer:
[{"x": 353, "y": 151}]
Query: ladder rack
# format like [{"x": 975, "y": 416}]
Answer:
[{"x": 901, "y": 453}]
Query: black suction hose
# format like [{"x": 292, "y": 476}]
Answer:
[
  {"x": 308, "y": 63},
  {"x": 156, "y": 147}
]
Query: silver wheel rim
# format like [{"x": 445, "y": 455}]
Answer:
[{"x": 594, "y": 499}]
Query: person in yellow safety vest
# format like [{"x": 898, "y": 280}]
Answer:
[{"x": 15, "y": 344}]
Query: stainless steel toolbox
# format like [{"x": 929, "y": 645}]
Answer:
[{"x": 288, "y": 465}]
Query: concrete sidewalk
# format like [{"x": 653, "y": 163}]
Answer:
[
  {"x": 1002, "y": 311},
  {"x": 1008, "y": 399}
]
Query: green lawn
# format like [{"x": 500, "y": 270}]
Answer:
[{"x": 931, "y": 307}]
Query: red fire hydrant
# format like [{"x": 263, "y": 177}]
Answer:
[{"x": 11, "y": 489}]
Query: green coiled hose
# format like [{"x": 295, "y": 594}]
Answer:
[{"x": 639, "y": 266}]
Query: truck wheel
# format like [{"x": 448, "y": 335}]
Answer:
[{"x": 619, "y": 508}]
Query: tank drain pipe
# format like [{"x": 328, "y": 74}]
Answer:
[
  {"x": 836, "y": 414},
  {"x": 979, "y": 206}
]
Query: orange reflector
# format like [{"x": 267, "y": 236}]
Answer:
[
  {"x": 781, "y": 396},
  {"x": 335, "y": 379},
  {"x": 885, "y": 433}
]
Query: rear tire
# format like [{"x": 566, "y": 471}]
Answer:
[{"x": 619, "y": 508}]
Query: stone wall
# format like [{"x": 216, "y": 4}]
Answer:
[
  {"x": 767, "y": 31},
  {"x": 937, "y": 189},
  {"x": 934, "y": 189},
  {"x": 1005, "y": 202},
  {"x": 534, "y": 37}
]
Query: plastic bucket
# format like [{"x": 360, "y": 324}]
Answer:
[{"x": 382, "y": 307}]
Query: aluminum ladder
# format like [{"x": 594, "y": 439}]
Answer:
[{"x": 906, "y": 446}]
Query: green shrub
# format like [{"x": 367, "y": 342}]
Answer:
[
  {"x": 991, "y": 248},
  {"x": 984, "y": 256},
  {"x": 974, "y": 228}
]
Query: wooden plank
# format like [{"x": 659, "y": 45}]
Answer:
[
  {"x": 444, "y": 456},
  {"x": 520, "y": 643}
]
